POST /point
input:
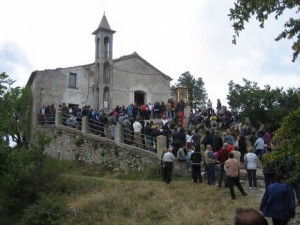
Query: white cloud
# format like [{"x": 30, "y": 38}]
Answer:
[{"x": 172, "y": 35}]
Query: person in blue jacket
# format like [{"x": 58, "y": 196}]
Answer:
[{"x": 278, "y": 202}]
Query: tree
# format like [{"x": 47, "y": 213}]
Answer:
[
  {"x": 287, "y": 139},
  {"x": 244, "y": 9},
  {"x": 266, "y": 105},
  {"x": 196, "y": 88},
  {"x": 15, "y": 103}
]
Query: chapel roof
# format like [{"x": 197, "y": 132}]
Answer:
[
  {"x": 136, "y": 55},
  {"x": 35, "y": 73},
  {"x": 104, "y": 25}
]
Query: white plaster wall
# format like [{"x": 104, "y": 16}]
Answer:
[
  {"x": 156, "y": 87},
  {"x": 55, "y": 84}
]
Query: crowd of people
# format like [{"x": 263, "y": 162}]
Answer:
[
  {"x": 231, "y": 154},
  {"x": 47, "y": 114},
  {"x": 229, "y": 150}
]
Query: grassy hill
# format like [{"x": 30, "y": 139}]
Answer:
[{"x": 79, "y": 193}]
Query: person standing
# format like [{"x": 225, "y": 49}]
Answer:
[
  {"x": 180, "y": 118},
  {"x": 150, "y": 111},
  {"x": 223, "y": 156},
  {"x": 112, "y": 122},
  {"x": 148, "y": 135},
  {"x": 137, "y": 128},
  {"x": 209, "y": 159},
  {"x": 242, "y": 148},
  {"x": 196, "y": 140},
  {"x": 259, "y": 144},
  {"x": 236, "y": 154},
  {"x": 165, "y": 150},
  {"x": 126, "y": 124},
  {"x": 261, "y": 129},
  {"x": 209, "y": 107},
  {"x": 217, "y": 142},
  {"x": 269, "y": 167},
  {"x": 252, "y": 139},
  {"x": 286, "y": 167},
  {"x": 168, "y": 159},
  {"x": 129, "y": 110},
  {"x": 231, "y": 167},
  {"x": 228, "y": 138},
  {"x": 176, "y": 141},
  {"x": 278, "y": 202},
  {"x": 196, "y": 166},
  {"x": 169, "y": 109},
  {"x": 181, "y": 157},
  {"x": 250, "y": 166},
  {"x": 188, "y": 139},
  {"x": 207, "y": 139},
  {"x": 267, "y": 137},
  {"x": 219, "y": 105},
  {"x": 135, "y": 111}
]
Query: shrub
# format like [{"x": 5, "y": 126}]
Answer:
[
  {"x": 79, "y": 141},
  {"x": 47, "y": 211},
  {"x": 154, "y": 173}
]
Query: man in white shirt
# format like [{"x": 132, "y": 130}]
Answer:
[
  {"x": 168, "y": 159},
  {"x": 209, "y": 106},
  {"x": 137, "y": 128},
  {"x": 150, "y": 111}
]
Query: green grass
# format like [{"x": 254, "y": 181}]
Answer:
[
  {"x": 100, "y": 196},
  {"x": 97, "y": 195},
  {"x": 153, "y": 202}
]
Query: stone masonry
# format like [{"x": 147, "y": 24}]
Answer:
[{"x": 67, "y": 144}]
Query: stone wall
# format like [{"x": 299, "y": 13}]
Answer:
[{"x": 69, "y": 144}]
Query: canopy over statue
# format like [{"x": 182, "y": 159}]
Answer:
[{"x": 181, "y": 93}]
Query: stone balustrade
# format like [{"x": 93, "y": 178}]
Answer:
[{"x": 119, "y": 140}]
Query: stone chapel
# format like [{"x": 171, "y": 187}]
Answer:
[{"x": 103, "y": 84}]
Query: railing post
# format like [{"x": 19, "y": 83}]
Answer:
[
  {"x": 160, "y": 145},
  {"x": 85, "y": 125},
  {"x": 58, "y": 117},
  {"x": 118, "y": 134}
]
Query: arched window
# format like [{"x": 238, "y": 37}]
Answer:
[
  {"x": 106, "y": 98},
  {"x": 97, "y": 73},
  {"x": 98, "y": 48},
  {"x": 106, "y": 73},
  {"x": 106, "y": 48}
]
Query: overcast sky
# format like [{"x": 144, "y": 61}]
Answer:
[{"x": 175, "y": 36}]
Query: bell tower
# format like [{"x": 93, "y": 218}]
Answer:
[{"x": 103, "y": 79}]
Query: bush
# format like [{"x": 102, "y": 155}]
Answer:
[
  {"x": 154, "y": 173},
  {"x": 148, "y": 173},
  {"x": 47, "y": 211}
]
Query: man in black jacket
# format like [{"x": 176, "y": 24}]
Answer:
[
  {"x": 176, "y": 141},
  {"x": 101, "y": 122},
  {"x": 196, "y": 166},
  {"x": 217, "y": 142},
  {"x": 196, "y": 140}
]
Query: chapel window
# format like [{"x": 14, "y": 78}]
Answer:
[
  {"x": 72, "y": 80},
  {"x": 98, "y": 48},
  {"x": 106, "y": 98},
  {"x": 106, "y": 48},
  {"x": 106, "y": 73}
]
